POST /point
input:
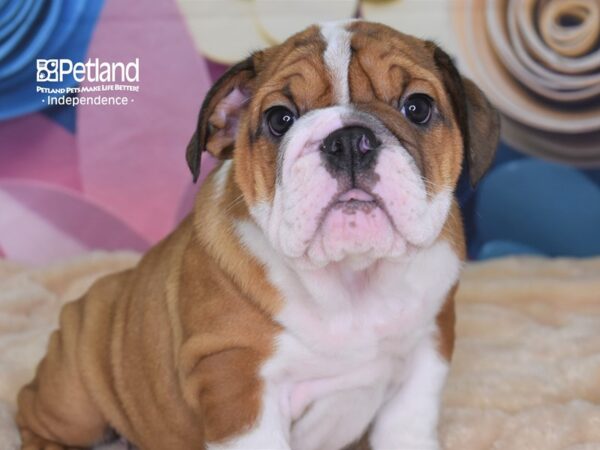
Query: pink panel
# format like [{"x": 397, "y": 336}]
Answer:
[
  {"x": 132, "y": 157},
  {"x": 41, "y": 223},
  {"x": 36, "y": 148}
]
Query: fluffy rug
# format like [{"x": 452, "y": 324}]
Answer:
[{"x": 526, "y": 372}]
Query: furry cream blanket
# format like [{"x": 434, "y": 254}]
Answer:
[{"x": 526, "y": 372}]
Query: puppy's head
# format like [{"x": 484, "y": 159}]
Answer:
[{"x": 347, "y": 140}]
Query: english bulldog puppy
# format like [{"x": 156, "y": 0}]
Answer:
[{"x": 307, "y": 301}]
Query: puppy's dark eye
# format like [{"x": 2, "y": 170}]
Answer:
[
  {"x": 279, "y": 120},
  {"x": 417, "y": 108}
]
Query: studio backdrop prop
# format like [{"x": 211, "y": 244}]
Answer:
[{"x": 77, "y": 178}]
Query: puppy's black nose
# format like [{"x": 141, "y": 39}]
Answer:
[{"x": 350, "y": 148}]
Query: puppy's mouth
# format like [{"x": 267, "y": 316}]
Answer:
[{"x": 355, "y": 200}]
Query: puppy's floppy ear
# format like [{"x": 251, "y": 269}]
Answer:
[
  {"x": 220, "y": 115},
  {"x": 478, "y": 120}
]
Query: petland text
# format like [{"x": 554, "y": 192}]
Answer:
[{"x": 93, "y": 70}]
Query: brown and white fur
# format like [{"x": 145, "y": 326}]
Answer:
[{"x": 297, "y": 307}]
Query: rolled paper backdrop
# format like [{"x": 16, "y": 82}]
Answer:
[
  {"x": 513, "y": 28},
  {"x": 564, "y": 39},
  {"x": 578, "y": 150},
  {"x": 539, "y": 62}
]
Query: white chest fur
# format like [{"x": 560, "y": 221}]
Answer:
[{"x": 349, "y": 337}]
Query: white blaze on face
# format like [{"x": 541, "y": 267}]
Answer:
[{"x": 337, "y": 57}]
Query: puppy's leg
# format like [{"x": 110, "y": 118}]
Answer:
[
  {"x": 409, "y": 420},
  {"x": 270, "y": 431},
  {"x": 55, "y": 409}
]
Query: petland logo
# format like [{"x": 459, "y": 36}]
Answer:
[
  {"x": 55, "y": 70},
  {"x": 103, "y": 83}
]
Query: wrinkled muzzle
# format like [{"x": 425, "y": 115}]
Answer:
[{"x": 347, "y": 189}]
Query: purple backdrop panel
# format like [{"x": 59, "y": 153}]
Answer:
[
  {"x": 36, "y": 148},
  {"x": 41, "y": 223}
]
